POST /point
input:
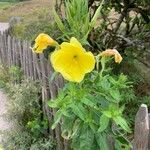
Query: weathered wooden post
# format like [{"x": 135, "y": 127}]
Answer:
[{"x": 141, "y": 130}]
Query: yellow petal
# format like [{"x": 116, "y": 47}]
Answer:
[
  {"x": 108, "y": 52},
  {"x": 61, "y": 60},
  {"x": 75, "y": 43},
  {"x": 44, "y": 38},
  {"x": 42, "y": 42},
  {"x": 118, "y": 58},
  {"x": 87, "y": 62},
  {"x": 66, "y": 45},
  {"x": 112, "y": 52},
  {"x": 72, "y": 62},
  {"x": 39, "y": 48}
]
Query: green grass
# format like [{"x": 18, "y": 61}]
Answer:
[{"x": 5, "y": 5}]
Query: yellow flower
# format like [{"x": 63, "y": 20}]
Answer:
[
  {"x": 112, "y": 52},
  {"x": 41, "y": 43},
  {"x": 72, "y": 61}
]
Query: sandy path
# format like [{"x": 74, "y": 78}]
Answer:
[{"x": 4, "y": 124}]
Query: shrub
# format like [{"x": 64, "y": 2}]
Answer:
[{"x": 4, "y": 76}]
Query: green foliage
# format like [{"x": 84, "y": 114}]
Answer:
[
  {"x": 78, "y": 22},
  {"x": 23, "y": 104},
  {"x": 88, "y": 111},
  {"x": 20, "y": 140},
  {"x": 23, "y": 140},
  {"x": 42, "y": 23},
  {"x": 13, "y": 0},
  {"x": 139, "y": 92},
  {"x": 4, "y": 5},
  {"x": 4, "y": 76},
  {"x": 13, "y": 74}
]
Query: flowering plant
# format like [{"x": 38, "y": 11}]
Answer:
[{"x": 88, "y": 107}]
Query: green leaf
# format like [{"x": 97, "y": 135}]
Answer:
[
  {"x": 57, "y": 118},
  {"x": 115, "y": 94},
  {"x": 107, "y": 113},
  {"x": 122, "y": 122},
  {"x": 104, "y": 122},
  {"x": 76, "y": 126},
  {"x": 58, "y": 21},
  {"x": 97, "y": 14},
  {"x": 102, "y": 141},
  {"x": 86, "y": 138},
  {"x": 66, "y": 127},
  {"x": 89, "y": 102},
  {"x": 52, "y": 103},
  {"x": 105, "y": 83},
  {"x": 79, "y": 110},
  {"x": 122, "y": 146}
]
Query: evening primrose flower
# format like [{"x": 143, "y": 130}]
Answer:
[
  {"x": 72, "y": 61},
  {"x": 112, "y": 52},
  {"x": 42, "y": 42}
]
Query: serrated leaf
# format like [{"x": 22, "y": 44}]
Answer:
[
  {"x": 104, "y": 122},
  {"x": 115, "y": 94},
  {"x": 79, "y": 110},
  {"x": 122, "y": 122},
  {"x": 86, "y": 138},
  {"x": 88, "y": 102},
  {"x": 102, "y": 141}
]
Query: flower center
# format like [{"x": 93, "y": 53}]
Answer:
[{"x": 75, "y": 56}]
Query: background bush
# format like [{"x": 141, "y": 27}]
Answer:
[{"x": 41, "y": 24}]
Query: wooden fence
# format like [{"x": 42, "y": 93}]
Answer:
[{"x": 14, "y": 52}]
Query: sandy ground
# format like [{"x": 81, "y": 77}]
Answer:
[{"x": 4, "y": 124}]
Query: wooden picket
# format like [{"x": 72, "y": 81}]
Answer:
[
  {"x": 142, "y": 129},
  {"x": 14, "y": 52}
]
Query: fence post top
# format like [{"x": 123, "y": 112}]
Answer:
[{"x": 143, "y": 105}]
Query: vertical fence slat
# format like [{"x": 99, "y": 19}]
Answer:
[
  {"x": 30, "y": 65},
  {"x": 54, "y": 91},
  {"x": 37, "y": 65},
  {"x": 9, "y": 50},
  {"x": 13, "y": 51},
  {"x": 1, "y": 44},
  {"x": 141, "y": 130},
  {"x": 24, "y": 57},
  {"x": 2, "y": 48}
]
